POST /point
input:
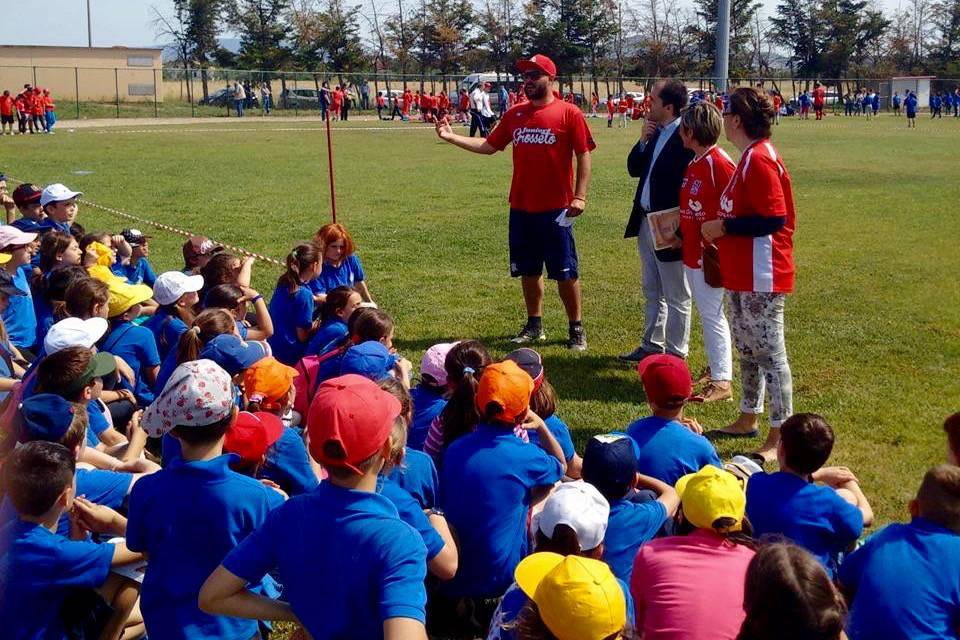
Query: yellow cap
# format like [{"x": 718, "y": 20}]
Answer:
[
  {"x": 5, "y": 258},
  {"x": 709, "y": 494},
  {"x": 578, "y": 598},
  {"x": 123, "y": 296}
]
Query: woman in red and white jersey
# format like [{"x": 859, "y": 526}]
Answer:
[
  {"x": 754, "y": 233},
  {"x": 707, "y": 175}
]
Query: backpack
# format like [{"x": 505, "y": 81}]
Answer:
[{"x": 308, "y": 380}]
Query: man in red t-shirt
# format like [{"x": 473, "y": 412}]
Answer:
[
  {"x": 7, "y": 107},
  {"x": 819, "y": 99},
  {"x": 546, "y": 134}
]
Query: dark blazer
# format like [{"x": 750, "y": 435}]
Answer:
[{"x": 665, "y": 181}]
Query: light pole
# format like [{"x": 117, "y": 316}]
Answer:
[
  {"x": 722, "y": 57},
  {"x": 89, "y": 28}
]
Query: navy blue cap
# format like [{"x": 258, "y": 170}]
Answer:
[
  {"x": 45, "y": 416},
  {"x": 610, "y": 464},
  {"x": 370, "y": 359},
  {"x": 233, "y": 354}
]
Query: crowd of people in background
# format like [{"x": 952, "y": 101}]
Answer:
[
  {"x": 32, "y": 111},
  {"x": 260, "y": 460}
]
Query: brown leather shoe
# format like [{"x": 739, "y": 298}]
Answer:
[
  {"x": 714, "y": 392},
  {"x": 703, "y": 378}
]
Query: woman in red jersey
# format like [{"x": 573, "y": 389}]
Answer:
[{"x": 754, "y": 235}]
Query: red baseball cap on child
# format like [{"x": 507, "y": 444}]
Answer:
[
  {"x": 666, "y": 380},
  {"x": 506, "y": 384},
  {"x": 349, "y": 419},
  {"x": 252, "y": 434}
]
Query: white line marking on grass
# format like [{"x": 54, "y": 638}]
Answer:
[{"x": 317, "y": 129}]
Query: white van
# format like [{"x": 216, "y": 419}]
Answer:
[{"x": 471, "y": 81}]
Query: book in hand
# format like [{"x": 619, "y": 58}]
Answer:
[
  {"x": 663, "y": 227},
  {"x": 133, "y": 571}
]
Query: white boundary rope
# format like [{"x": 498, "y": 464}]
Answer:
[{"x": 169, "y": 228}]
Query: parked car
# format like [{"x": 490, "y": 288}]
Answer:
[
  {"x": 300, "y": 98},
  {"x": 224, "y": 98}
]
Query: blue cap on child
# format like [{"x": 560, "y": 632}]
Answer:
[
  {"x": 45, "y": 416},
  {"x": 370, "y": 359},
  {"x": 610, "y": 463},
  {"x": 233, "y": 354}
]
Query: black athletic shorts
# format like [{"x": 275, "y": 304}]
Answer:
[{"x": 537, "y": 240}]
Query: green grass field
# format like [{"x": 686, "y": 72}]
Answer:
[{"x": 873, "y": 330}]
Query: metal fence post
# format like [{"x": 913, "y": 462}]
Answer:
[
  {"x": 116, "y": 84},
  {"x": 190, "y": 90},
  {"x": 156, "y": 107},
  {"x": 76, "y": 82},
  {"x": 34, "y": 76}
]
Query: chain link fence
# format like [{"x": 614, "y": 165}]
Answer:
[{"x": 86, "y": 93}]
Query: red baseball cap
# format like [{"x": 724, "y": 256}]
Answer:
[
  {"x": 252, "y": 434},
  {"x": 538, "y": 62},
  {"x": 507, "y": 385},
  {"x": 349, "y": 419},
  {"x": 666, "y": 380}
]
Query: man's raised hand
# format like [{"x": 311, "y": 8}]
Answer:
[{"x": 443, "y": 128}]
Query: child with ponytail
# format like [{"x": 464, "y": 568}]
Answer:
[
  {"x": 464, "y": 364},
  {"x": 335, "y": 311},
  {"x": 291, "y": 307}
]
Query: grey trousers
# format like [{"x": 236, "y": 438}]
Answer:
[
  {"x": 756, "y": 321},
  {"x": 666, "y": 317}
]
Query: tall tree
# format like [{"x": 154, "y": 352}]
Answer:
[
  {"x": 560, "y": 28},
  {"x": 496, "y": 35},
  {"x": 946, "y": 18},
  {"x": 263, "y": 33},
  {"x": 445, "y": 27},
  {"x": 704, "y": 30},
  {"x": 401, "y": 37},
  {"x": 797, "y": 27}
]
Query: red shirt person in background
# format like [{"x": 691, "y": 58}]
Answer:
[
  {"x": 546, "y": 135},
  {"x": 7, "y": 107},
  {"x": 754, "y": 234},
  {"x": 819, "y": 99}
]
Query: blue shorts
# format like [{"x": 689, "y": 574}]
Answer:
[{"x": 537, "y": 240}]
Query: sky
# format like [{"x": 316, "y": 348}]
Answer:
[{"x": 126, "y": 22}]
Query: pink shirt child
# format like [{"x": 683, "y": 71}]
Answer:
[{"x": 690, "y": 587}]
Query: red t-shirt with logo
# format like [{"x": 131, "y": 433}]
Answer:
[
  {"x": 6, "y": 105},
  {"x": 545, "y": 139},
  {"x": 760, "y": 186},
  {"x": 819, "y": 96},
  {"x": 700, "y": 199}
]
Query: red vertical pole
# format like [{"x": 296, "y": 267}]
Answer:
[{"x": 333, "y": 195}]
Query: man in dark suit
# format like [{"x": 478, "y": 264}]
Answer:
[{"x": 660, "y": 161}]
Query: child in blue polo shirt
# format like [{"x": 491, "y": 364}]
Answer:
[
  {"x": 131, "y": 342},
  {"x": 416, "y": 473},
  {"x": 543, "y": 402},
  {"x": 574, "y": 522},
  {"x": 44, "y": 573},
  {"x": 291, "y": 306},
  {"x": 19, "y": 317},
  {"x": 186, "y": 517},
  {"x": 236, "y": 299},
  {"x": 489, "y": 479},
  {"x": 176, "y": 294},
  {"x": 430, "y": 396},
  {"x": 341, "y": 266},
  {"x": 825, "y": 520},
  {"x": 430, "y": 523},
  {"x": 268, "y": 388},
  {"x": 610, "y": 464},
  {"x": 335, "y": 311},
  {"x": 904, "y": 582},
  {"x": 342, "y": 534},
  {"x": 60, "y": 205},
  {"x": 668, "y": 448},
  {"x": 135, "y": 268}
]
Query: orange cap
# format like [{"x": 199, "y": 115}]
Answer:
[
  {"x": 268, "y": 381},
  {"x": 508, "y": 386}
]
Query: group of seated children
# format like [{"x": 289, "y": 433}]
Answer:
[{"x": 183, "y": 459}]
